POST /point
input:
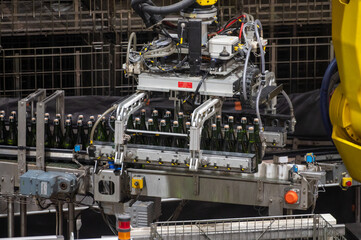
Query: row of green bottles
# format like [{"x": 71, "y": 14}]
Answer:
[
  {"x": 229, "y": 141},
  {"x": 8, "y": 137}
]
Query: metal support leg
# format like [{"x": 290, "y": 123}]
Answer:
[
  {"x": 60, "y": 218},
  {"x": 23, "y": 217},
  {"x": 357, "y": 204},
  {"x": 275, "y": 207},
  {"x": 71, "y": 216},
  {"x": 10, "y": 217}
]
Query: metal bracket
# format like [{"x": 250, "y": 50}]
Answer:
[
  {"x": 38, "y": 96},
  {"x": 7, "y": 183},
  {"x": 40, "y": 135},
  {"x": 124, "y": 110},
  {"x": 260, "y": 192},
  {"x": 196, "y": 185},
  {"x": 200, "y": 115}
]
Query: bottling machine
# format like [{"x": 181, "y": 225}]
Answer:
[{"x": 198, "y": 65}]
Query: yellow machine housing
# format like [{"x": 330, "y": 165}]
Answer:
[
  {"x": 345, "y": 105},
  {"x": 206, "y": 2}
]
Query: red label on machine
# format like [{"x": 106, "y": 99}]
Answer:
[{"x": 185, "y": 84}]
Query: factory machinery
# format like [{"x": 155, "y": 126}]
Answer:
[{"x": 198, "y": 65}]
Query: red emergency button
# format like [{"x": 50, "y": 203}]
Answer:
[
  {"x": 348, "y": 183},
  {"x": 291, "y": 197}
]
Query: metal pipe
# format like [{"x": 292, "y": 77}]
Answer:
[
  {"x": 159, "y": 133},
  {"x": 23, "y": 217},
  {"x": 71, "y": 216},
  {"x": 46, "y": 211},
  {"x": 10, "y": 217},
  {"x": 60, "y": 217}
]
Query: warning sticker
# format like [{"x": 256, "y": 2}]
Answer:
[{"x": 185, "y": 84}]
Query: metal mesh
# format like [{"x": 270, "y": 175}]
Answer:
[
  {"x": 280, "y": 227},
  {"x": 299, "y": 64},
  {"x": 96, "y": 69},
  {"x": 33, "y": 17},
  {"x": 79, "y": 70}
]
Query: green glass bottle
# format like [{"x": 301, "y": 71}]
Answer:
[
  {"x": 139, "y": 136},
  {"x": 244, "y": 128},
  {"x": 58, "y": 116},
  {"x": 3, "y": 131},
  {"x": 89, "y": 128},
  {"x": 130, "y": 122},
  {"x": 80, "y": 138},
  {"x": 219, "y": 132},
  {"x": 181, "y": 122},
  {"x": 70, "y": 117},
  {"x": 188, "y": 129},
  {"x": 12, "y": 139},
  {"x": 252, "y": 146},
  {"x": 14, "y": 115},
  {"x": 81, "y": 117},
  {"x": 214, "y": 140},
  {"x": 57, "y": 141},
  {"x": 168, "y": 124},
  {"x": 155, "y": 117},
  {"x": 68, "y": 142},
  {"x": 32, "y": 142},
  {"x": 175, "y": 140},
  {"x": 231, "y": 126},
  {"x": 205, "y": 136},
  {"x": 111, "y": 133},
  {"x": 100, "y": 132},
  {"x": 152, "y": 139},
  {"x": 29, "y": 134},
  {"x": 242, "y": 141},
  {"x": 257, "y": 138},
  {"x": 47, "y": 132},
  {"x": 92, "y": 119},
  {"x": 168, "y": 121},
  {"x": 182, "y": 141},
  {"x": 143, "y": 125},
  {"x": 228, "y": 143},
  {"x": 163, "y": 141}
]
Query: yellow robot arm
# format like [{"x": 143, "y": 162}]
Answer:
[{"x": 345, "y": 105}]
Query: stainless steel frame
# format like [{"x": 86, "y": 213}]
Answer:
[
  {"x": 58, "y": 96},
  {"x": 37, "y": 96}
]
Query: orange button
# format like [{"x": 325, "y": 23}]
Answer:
[{"x": 291, "y": 197}]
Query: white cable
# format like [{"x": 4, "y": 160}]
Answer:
[
  {"x": 257, "y": 108},
  {"x": 263, "y": 64},
  {"x": 245, "y": 73},
  {"x": 292, "y": 114}
]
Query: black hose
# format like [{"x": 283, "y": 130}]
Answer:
[
  {"x": 324, "y": 97},
  {"x": 149, "y": 8}
]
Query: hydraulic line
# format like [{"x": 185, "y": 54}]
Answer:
[
  {"x": 324, "y": 97},
  {"x": 132, "y": 38},
  {"x": 245, "y": 73},
  {"x": 149, "y": 8},
  {"x": 292, "y": 114},
  {"x": 257, "y": 107},
  {"x": 257, "y": 24}
]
